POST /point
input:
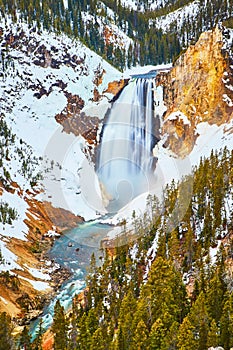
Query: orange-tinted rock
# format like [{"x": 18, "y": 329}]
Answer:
[
  {"x": 115, "y": 87},
  {"x": 97, "y": 95},
  {"x": 99, "y": 73},
  {"x": 76, "y": 122},
  {"x": 62, "y": 218},
  {"x": 195, "y": 86},
  {"x": 48, "y": 341},
  {"x": 41, "y": 217}
]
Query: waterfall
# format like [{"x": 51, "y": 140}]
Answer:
[{"x": 125, "y": 164}]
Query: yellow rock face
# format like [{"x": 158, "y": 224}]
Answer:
[{"x": 196, "y": 87}]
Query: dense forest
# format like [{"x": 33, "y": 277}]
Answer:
[
  {"x": 88, "y": 20},
  {"x": 169, "y": 289}
]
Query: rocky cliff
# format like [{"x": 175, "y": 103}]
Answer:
[
  {"x": 198, "y": 88},
  {"x": 24, "y": 288}
]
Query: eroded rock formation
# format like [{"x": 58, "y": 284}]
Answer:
[{"x": 199, "y": 86}]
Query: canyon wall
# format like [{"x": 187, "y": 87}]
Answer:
[{"x": 199, "y": 88}]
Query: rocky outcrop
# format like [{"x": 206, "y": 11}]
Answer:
[
  {"x": 76, "y": 122},
  {"x": 199, "y": 86},
  {"x": 62, "y": 218},
  {"x": 115, "y": 87},
  {"x": 18, "y": 297}
]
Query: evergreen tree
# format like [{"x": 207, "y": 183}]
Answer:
[
  {"x": 213, "y": 335},
  {"x": 157, "y": 334},
  {"x": 60, "y": 328},
  {"x": 6, "y": 339},
  {"x": 98, "y": 340},
  {"x": 226, "y": 324},
  {"x": 140, "y": 336},
  {"x": 186, "y": 337},
  {"x": 25, "y": 339},
  {"x": 37, "y": 343}
]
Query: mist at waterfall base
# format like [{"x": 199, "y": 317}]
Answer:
[{"x": 126, "y": 163}]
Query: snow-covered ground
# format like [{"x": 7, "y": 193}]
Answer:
[
  {"x": 18, "y": 229},
  {"x": 33, "y": 90},
  {"x": 178, "y": 17},
  {"x": 32, "y": 118},
  {"x": 145, "y": 69},
  {"x": 70, "y": 181},
  {"x": 140, "y": 6}
]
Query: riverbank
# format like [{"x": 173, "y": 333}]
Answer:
[{"x": 72, "y": 251}]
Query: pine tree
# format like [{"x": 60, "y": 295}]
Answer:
[
  {"x": 6, "y": 339},
  {"x": 25, "y": 339},
  {"x": 140, "y": 336},
  {"x": 215, "y": 295},
  {"x": 126, "y": 316},
  {"x": 157, "y": 336},
  {"x": 60, "y": 328},
  {"x": 165, "y": 293},
  {"x": 37, "y": 343},
  {"x": 98, "y": 341},
  {"x": 213, "y": 335},
  {"x": 226, "y": 324},
  {"x": 199, "y": 319},
  {"x": 170, "y": 340},
  {"x": 186, "y": 337}
]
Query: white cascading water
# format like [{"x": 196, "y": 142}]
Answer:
[{"x": 125, "y": 158}]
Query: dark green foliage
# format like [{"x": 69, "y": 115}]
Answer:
[
  {"x": 9, "y": 150},
  {"x": 7, "y": 214},
  {"x": 127, "y": 308},
  {"x": 25, "y": 339},
  {"x": 149, "y": 44},
  {"x": 12, "y": 281},
  {"x": 6, "y": 328},
  {"x": 60, "y": 328},
  {"x": 37, "y": 344}
]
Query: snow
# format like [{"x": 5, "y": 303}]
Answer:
[
  {"x": 139, "y": 5},
  {"x": 40, "y": 138},
  {"x": 145, "y": 69},
  {"x": 134, "y": 251},
  {"x": 164, "y": 22},
  {"x": 138, "y": 204},
  {"x": 37, "y": 273},
  {"x": 132, "y": 4},
  {"x": 65, "y": 2},
  {"x": 3, "y": 300},
  {"x": 18, "y": 229},
  {"x": 117, "y": 38},
  {"x": 213, "y": 253},
  {"x": 52, "y": 233},
  {"x": 75, "y": 187},
  {"x": 151, "y": 253},
  {"x": 25, "y": 112},
  {"x": 9, "y": 262},
  {"x": 229, "y": 87},
  {"x": 37, "y": 285},
  {"x": 179, "y": 116},
  {"x": 227, "y": 99},
  {"x": 157, "y": 4}
]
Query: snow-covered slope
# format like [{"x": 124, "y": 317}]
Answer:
[
  {"x": 142, "y": 5},
  {"x": 39, "y": 72},
  {"x": 178, "y": 17}
]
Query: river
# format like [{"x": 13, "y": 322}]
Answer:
[{"x": 73, "y": 251}]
